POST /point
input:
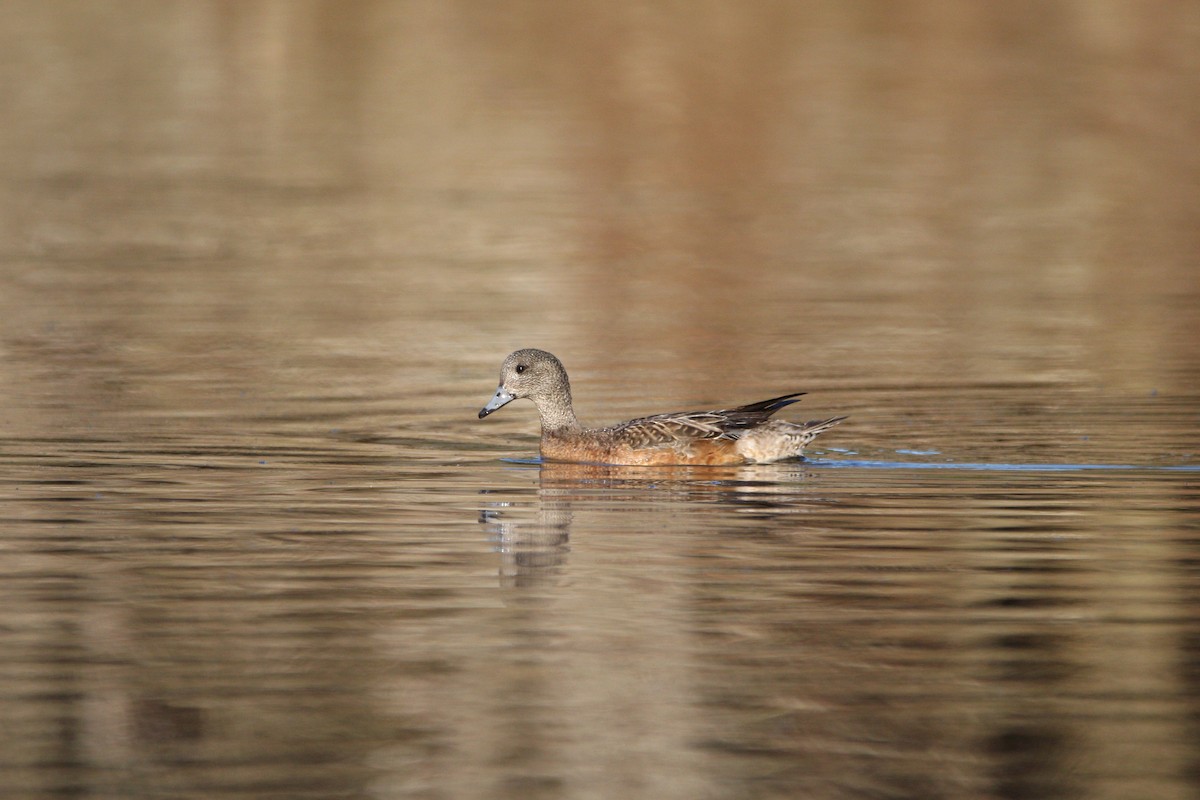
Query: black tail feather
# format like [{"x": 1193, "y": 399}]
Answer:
[
  {"x": 752, "y": 415},
  {"x": 769, "y": 407}
]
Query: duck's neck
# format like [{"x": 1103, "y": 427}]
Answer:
[{"x": 557, "y": 415}]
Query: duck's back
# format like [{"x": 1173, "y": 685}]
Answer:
[{"x": 684, "y": 437}]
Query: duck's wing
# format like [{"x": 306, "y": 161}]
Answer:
[
  {"x": 683, "y": 426},
  {"x": 668, "y": 429},
  {"x": 752, "y": 415}
]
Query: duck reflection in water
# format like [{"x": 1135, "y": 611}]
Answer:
[{"x": 532, "y": 530}]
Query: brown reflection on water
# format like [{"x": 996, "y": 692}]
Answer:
[
  {"x": 972, "y": 188},
  {"x": 534, "y": 538},
  {"x": 259, "y": 262},
  {"x": 948, "y": 652},
  {"x": 987, "y": 163}
]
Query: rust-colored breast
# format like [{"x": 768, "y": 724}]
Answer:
[{"x": 600, "y": 447}]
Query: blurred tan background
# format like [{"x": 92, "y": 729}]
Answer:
[
  {"x": 260, "y": 261},
  {"x": 858, "y": 194}
]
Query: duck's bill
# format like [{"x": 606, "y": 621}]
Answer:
[{"x": 499, "y": 400}]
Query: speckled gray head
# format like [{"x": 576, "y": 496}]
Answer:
[{"x": 530, "y": 373}]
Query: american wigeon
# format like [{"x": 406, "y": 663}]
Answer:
[{"x": 742, "y": 435}]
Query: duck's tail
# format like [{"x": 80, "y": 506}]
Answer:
[
  {"x": 817, "y": 426},
  {"x": 778, "y": 440}
]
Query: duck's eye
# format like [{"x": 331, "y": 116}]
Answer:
[{"x": 521, "y": 368}]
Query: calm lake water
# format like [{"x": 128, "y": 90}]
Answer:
[{"x": 260, "y": 262}]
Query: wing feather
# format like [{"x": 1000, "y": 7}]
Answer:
[
  {"x": 669, "y": 429},
  {"x": 679, "y": 428}
]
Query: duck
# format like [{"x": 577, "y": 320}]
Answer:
[{"x": 723, "y": 437}]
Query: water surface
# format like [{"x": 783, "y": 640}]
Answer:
[{"x": 260, "y": 262}]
